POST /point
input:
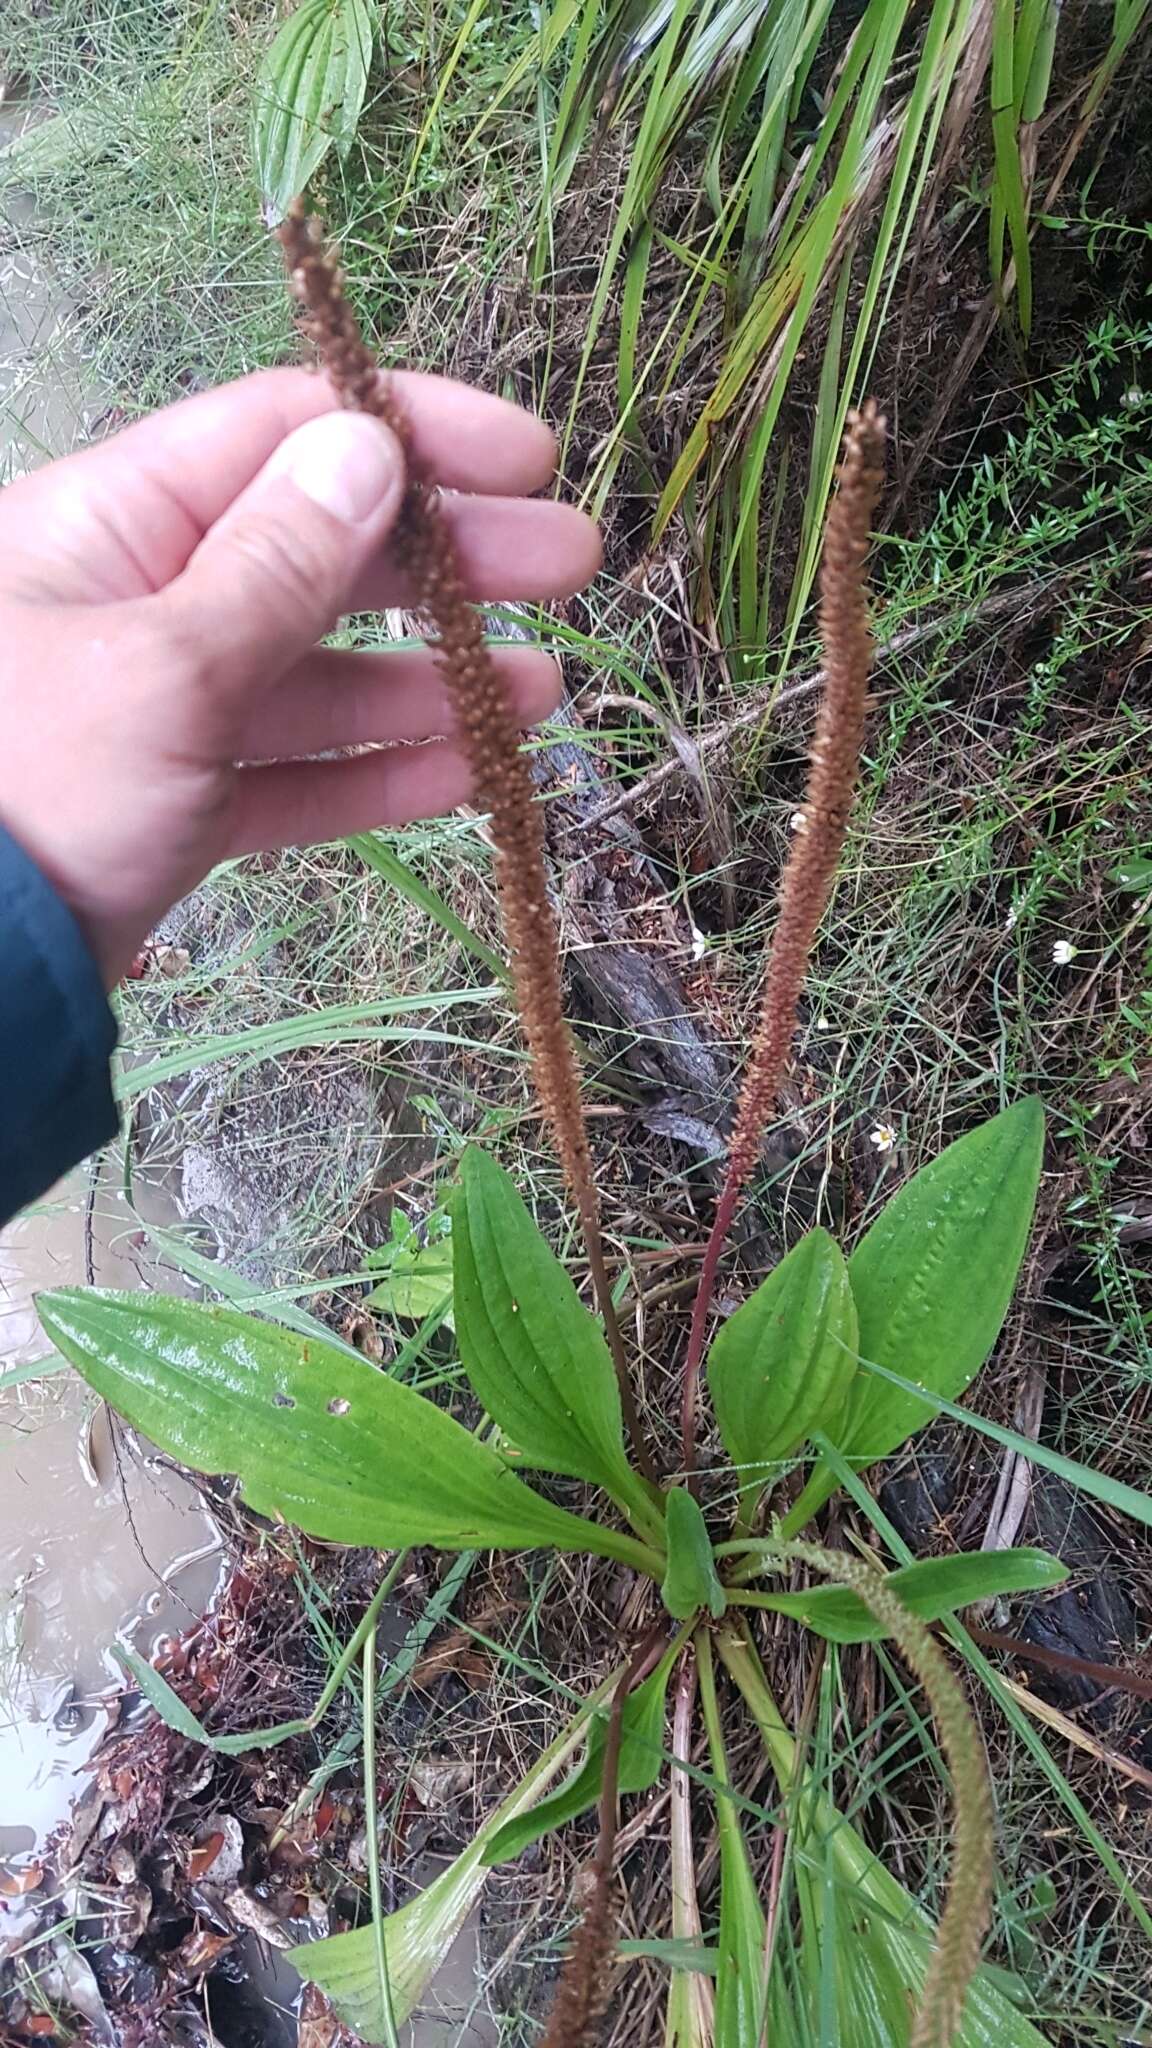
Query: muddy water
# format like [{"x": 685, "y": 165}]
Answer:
[
  {"x": 49, "y": 396},
  {"x": 98, "y": 1544},
  {"x": 95, "y": 1541}
]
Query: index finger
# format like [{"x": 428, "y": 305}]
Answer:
[
  {"x": 167, "y": 479},
  {"x": 466, "y": 439}
]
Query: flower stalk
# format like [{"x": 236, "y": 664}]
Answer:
[
  {"x": 968, "y": 1906},
  {"x": 486, "y": 726},
  {"x": 586, "y": 1980},
  {"x": 817, "y": 841}
]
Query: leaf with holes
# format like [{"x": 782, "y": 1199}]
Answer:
[
  {"x": 691, "y": 1580},
  {"x": 932, "y": 1281},
  {"x": 641, "y": 1761},
  {"x": 317, "y": 1437},
  {"x": 780, "y": 1367},
  {"x": 931, "y": 1589},
  {"x": 310, "y": 95},
  {"x": 533, "y": 1353}
]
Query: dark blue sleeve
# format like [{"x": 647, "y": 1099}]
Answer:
[{"x": 57, "y": 1034}]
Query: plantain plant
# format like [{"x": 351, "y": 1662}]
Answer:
[
  {"x": 335, "y": 1446},
  {"x": 847, "y": 1357}
]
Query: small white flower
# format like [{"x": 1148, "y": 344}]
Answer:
[
  {"x": 798, "y": 822},
  {"x": 822, "y": 1024},
  {"x": 883, "y": 1137},
  {"x": 1010, "y": 921},
  {"x": 699, "y": 944},
  {"x": 1063, "y": 952}
]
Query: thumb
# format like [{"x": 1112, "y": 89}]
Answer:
[{"x": 275, "y": 573}]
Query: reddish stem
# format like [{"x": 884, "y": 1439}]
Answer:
[{"x": 811, "y": 865}]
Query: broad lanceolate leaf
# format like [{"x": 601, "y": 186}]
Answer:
[
  {"x": 935, "y": 1587},
  {"x": 419, "y": 1936},
  {"x": 316, "y": 1437},
  {"x": 310, "y": 95},
  {"x": 932, "y": 1281},
  {"x": 641, "y": 1759},
  {"x": 691, "y": 1580},
  {"x": 529, "y": 1346},
  {"x": 781, "y": 1365}
]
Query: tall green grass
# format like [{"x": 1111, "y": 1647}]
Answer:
[{"x": 784, "y": 158}]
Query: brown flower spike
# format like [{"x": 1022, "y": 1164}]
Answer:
[
  {"x": 968, "y": 1908},
  {"x": 490, "y": 737},
  {"x": 585, "y": 1985},
  {"x": 816, "y": 847}
]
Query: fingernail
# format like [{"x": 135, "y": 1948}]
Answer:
[{"x": 345, "y": 461}]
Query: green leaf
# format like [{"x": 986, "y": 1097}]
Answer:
[
  {"x": 740, "y": 1975},
  {"x": 740, "y": 1971},
  {"x": 64, "y": 142},
  {"x": 159, "y": 1694},
  {"x": 688, "y": 2015},
  {"x": 375, "y": 854},
  {"x": 932, "y": 1281},
  {"x": 317, "y": 1438},
  {"x": 417, "y": 1283},
  {"x": 38, "y": 1369},
  {"x": 418, "y": 1937},
  {"x": 1019, "y": 1722},
  {"x": 1100, "y": 1485},
  {"x": 534, "y": 1355},
  {"x": 175, "y": 1714},
  {"x": 875, "y": 1912},
  {"x": 1133, "y": 874},
  {"x": 676, "y": 1955},
  {"x": 691, "y": 1580},
  {"x": 780, "y": 1367},
  {"x": 935, "y": 1587},
  {"x": 641, "y": 1758},
  {"x": 310, "y": 95}
]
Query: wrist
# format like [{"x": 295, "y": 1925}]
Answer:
[{"x": 112, "y": 950}]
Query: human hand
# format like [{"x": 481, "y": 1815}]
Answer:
[{"x": 161, "y": 600}]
